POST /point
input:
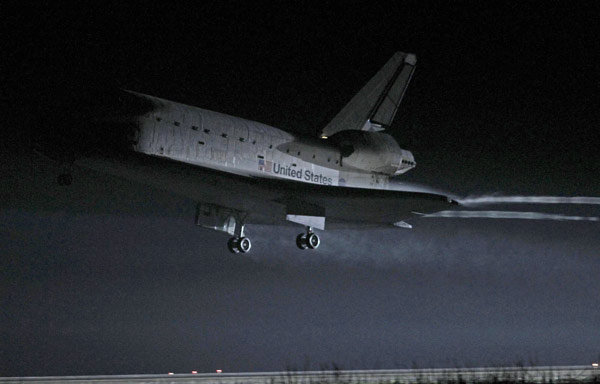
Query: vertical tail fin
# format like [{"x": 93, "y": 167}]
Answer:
[{"x": 374, "y": 107}]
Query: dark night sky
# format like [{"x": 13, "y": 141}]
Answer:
[{"x": 110, "y": 277}]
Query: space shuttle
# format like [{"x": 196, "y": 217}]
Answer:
[{"x": 243, "y": 172}]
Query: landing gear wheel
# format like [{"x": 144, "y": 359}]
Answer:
[
  {"x": 239, "y": 245},
  {"x": 308, "y": 240},
  {"x": 244, "y": 244},
  {"x": 313, "y": 241},
  {"x": 301, "y": 241},
  {"x": 233, "y": 246},
  {"x": 65, "y": 179}
]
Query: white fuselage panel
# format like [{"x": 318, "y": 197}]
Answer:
[{"x": 226, "y": 143}]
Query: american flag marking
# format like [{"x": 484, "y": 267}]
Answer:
[{"x": 265, "y": 166}]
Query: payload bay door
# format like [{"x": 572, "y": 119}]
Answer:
[
  {"x": 178, "y": 135},
  {"x": 145, "y": 133},
  {"x": 222, "y": 150},
  {"x": 200, "y": 140},
  {"x": 240, "y": 142},
  {"x": 161, "y": 134}
]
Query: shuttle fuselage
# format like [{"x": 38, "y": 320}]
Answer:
[{"x": 235, "y": 145}]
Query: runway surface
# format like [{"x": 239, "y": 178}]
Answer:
[{"x": 512, "y": 374}]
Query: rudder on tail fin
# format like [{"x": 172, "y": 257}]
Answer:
[{"x": 374, "y": 107}]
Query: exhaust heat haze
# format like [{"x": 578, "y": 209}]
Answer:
[
  {"x": 498, "y": 199},
  {"x": 511, "y": 215}
]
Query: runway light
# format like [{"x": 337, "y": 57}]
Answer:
[
  {"x": 194, "y": 372},
  {"x": 219, "y": 371},
  {"x": 170, "y": 373},
  {"x": 595, "y": 365}
]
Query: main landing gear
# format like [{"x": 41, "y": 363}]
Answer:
[
  {"x": 308, "y": 240},
  {"x": 224, "y": 219},
  {"x": 231, "y": 221},
  {"x": 239, "y": 244}
]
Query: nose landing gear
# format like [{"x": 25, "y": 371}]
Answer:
[{"x": 308, "y": 240}]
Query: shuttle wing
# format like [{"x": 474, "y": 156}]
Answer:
[
  {"x": 374, "y": 107},
  {"x": 140, "y": 185}
]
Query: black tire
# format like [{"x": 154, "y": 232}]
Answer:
[
  {"x": 232, "y": 245},
  {"x": 301, "y": 241}
]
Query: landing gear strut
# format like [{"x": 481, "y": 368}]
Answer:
[
  {"x": 239, "y": 244},
  {"x": 308, "y": 240},
  {"x": 228, "y": 220}
]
